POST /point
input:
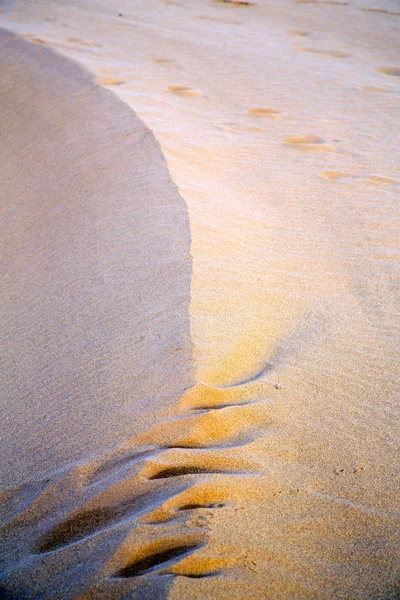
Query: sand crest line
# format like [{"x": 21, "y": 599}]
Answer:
[{"x": 145, "y": 508}]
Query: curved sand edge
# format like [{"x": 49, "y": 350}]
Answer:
[
  {"x": 95, "y": 272},
  {"x": 229, "y": 509}
]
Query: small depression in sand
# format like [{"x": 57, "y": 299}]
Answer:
[
  {"x": 267, "y": 113},
  {"x": 186, "y": 92},
  {"x": 392, "y": 71}
]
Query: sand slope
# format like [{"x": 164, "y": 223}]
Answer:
[
  {"x": 276, "y": 474},
  {"x": 95, "y": 270}
]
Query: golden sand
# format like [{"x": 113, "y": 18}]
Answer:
[{"x": 257, "y": 456}]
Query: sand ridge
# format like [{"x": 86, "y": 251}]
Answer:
[{"x": 85, "y": 220}]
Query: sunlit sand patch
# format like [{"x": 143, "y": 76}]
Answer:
[
  {"x": 334, "y": 53},
  {"x": 336, "y": 176},
  {"x": 236, "y": 2},
  {"x": 205, "y": 494},
  {"x": 376, "y": 89},
  {"x": 238, "y": 128},
  {"x": 227, "y": 427},
  {"x": 328, "y": 2},
  {"x": 382, "y": 11},
  {"x": 81, "y": 42},
  {"x": 36, "y": 40},
  {"x": 181, "y": 462},
  {"x": 181, "y": 90},
  {"x": 392, "y": 71},
  {"x": 110, "y": 80},
  {"x": 206, "y": 397},
  {"x": 165, "y": 63},
  {"x": 350, "y": 178},
  {"x": 268, "y": 113},
  {"x": 379, "y": 180},
  {"x": 305, "y": 139},
  {"x": 309, "y": 143},
  {"x": 157, "y": 554},
  {"x": 300, "y": 33},
  {"x": 216, "y": 19}
]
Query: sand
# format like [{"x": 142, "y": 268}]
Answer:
[{"x": 243, "y": 444}]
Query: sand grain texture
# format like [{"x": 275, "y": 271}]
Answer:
[
  {"x": 95, "y": 268},
  {"x": 271, "y": 471}
]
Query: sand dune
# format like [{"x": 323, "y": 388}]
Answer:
[
  {"x": 244, "y": 445},
  {"x": 96, "y": 268}
]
